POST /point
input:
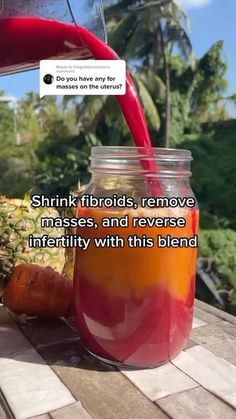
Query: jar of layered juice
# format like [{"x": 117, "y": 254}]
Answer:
[{"x": 134, "y": 305}]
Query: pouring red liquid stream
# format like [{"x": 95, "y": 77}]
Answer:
[
  {"x": 23, "y": 43},
  {"x": 26, "y": 41}
]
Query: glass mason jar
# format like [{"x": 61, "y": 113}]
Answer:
[
  {"x": 134, "y": 305},
  {"x": 35, "y": 30}
]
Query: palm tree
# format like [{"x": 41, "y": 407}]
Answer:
[
  {"x": 145, "y": 35},
  {"x": 44, "y": 108},
  {"x": 148, "y": 34}
]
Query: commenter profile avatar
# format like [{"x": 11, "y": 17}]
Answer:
[{"x": 48, "y": 79}]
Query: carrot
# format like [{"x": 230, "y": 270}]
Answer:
[{"x": 35, "y": 290}]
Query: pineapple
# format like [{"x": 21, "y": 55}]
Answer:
[
  {"x": 17, "y": 221},
  {"x": 70, "y": 213}
]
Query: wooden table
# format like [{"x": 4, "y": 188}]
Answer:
[{"x": 45, "y": 373}]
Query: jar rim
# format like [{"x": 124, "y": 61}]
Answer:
[
  {"x": 135, "y": 161},
  {"x": 132, "y": 152}
]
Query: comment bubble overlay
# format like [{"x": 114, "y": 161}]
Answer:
[{"x": 82, "y": 77}]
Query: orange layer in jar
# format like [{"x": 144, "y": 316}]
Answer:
[{"x": 134, "y": 305}]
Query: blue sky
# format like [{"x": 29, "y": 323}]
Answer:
[{"x": 211, "y": 20}]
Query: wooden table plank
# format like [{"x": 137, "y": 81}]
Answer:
[
  {"x": 52, "y": 331},
  {"x": 208, "y": 318},
  {"x": 5, "y": 411},
  {"x": 29, "y": 385},
  {"x": 160, "y": 382},
  {"x": 213, "y": 373},
  {"x": 104, "y": 392},
  {"x": 197, "y": 322},
  {"x": 228, "y": 327},
  {"x": 45, "y": 416},
  {"x": 196, "y": 404},
  {"x": 190, "y": 344},
  {"x": 216, "y": 340},
  {"x": 2, "y": 413},
  {"x": 207, "y": 308},
  {"x": 74, "y": 411}
]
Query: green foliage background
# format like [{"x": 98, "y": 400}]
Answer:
[{"x": 56, "y": 135}]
